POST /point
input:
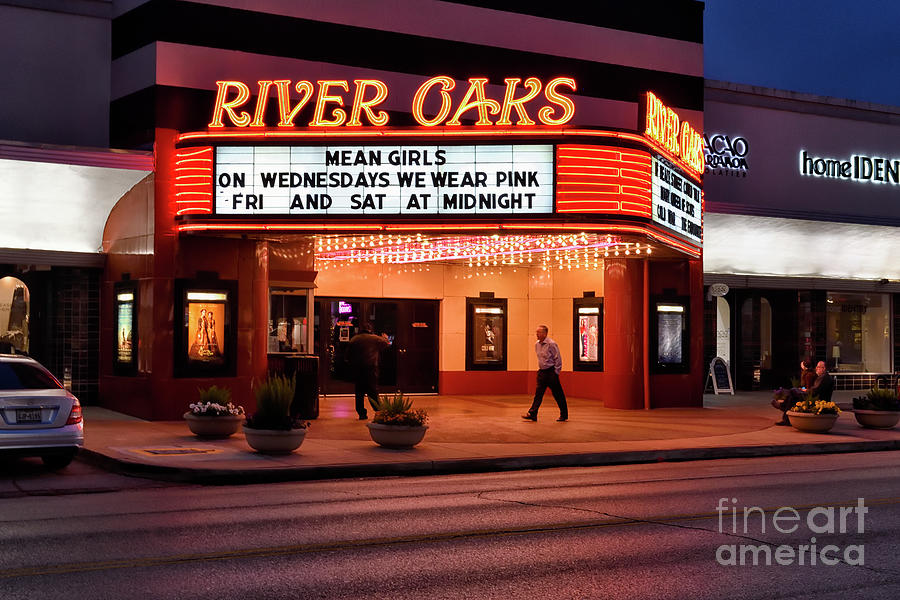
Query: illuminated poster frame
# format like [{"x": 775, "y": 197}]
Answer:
[
  {"x": 587, "y": 334},
  {"x": 125, "y": 339},
  {"x": 486, "y": 334},
  {"x": 205, "y": 331},
  {"x": 670, "y": 334}
]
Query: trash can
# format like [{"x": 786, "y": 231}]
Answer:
[{"x": 305, "y": 367}]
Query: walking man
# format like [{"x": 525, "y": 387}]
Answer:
[
  {"x": 549, "y": 366},
  {"x": 363, "y": 354}
]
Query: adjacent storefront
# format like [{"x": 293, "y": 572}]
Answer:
[{"x": 801, "y": 236}]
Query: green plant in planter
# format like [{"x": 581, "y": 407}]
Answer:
[
  {"x": 273, "y": 405},
  {"x": 878, "y": 399},
  {"x": 215, "y": 401},
  {"x": 397, "y": 410}
]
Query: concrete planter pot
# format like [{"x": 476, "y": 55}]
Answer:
[
  {"x": 396, "y": 436},
  {"x": 877, "y": 419},
  {"x": 213, "y": 427},
  {"x": 274, "y": 441},
  {"x": 811, "y": 423}
]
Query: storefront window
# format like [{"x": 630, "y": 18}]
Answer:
[
  {"x": 765, "y": 334},
  {"x": 723, "y": 329},
  {"x": 289, "y": 320},
  {"x": 857, "y": 332},
  {"x": 14, "y": 303}
]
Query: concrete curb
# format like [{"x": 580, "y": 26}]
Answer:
[{"x": 453, "y": 466}]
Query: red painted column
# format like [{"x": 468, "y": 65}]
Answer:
[
  {"x": 162, "y": 290},
  {"x": 623, "y": 335}
]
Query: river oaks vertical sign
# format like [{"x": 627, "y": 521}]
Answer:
[{"x": 373, "y": 180}]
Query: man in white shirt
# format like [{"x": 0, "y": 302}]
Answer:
[{"x": 549, "y": 366}]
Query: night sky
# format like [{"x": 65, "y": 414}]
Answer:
[{"x": 841, "y": 48}]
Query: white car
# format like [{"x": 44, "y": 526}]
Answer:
[{"x": 38, "y": 416}]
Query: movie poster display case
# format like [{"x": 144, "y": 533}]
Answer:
[
  {"x": 206, "y": 332},
  {"x": 587, "y": 334},
  {"x": 486, "y": 327},
  {"x": 126, "y": 319},
  {"x": 669, "y": 334}
]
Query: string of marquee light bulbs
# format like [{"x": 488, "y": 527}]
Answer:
[{"x": 485, "y": 254}]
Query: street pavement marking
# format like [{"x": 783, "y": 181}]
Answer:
[{"x": 276, "y": 551}]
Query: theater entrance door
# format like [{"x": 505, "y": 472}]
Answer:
[{"x": 409, "y": 364}]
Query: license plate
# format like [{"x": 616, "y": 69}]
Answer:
[{"x": 28, "y": 415}]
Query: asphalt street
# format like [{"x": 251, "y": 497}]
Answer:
[{"x": 638, "y": 531}]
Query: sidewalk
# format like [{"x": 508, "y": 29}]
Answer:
[{"x": 473, "y": 434}]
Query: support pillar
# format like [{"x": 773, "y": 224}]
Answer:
[{"x": 623, "y": 335}]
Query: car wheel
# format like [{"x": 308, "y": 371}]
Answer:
[{"x": 58, "y": 461}]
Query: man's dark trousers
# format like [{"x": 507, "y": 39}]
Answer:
[
  {"x": 547, "y": 378},
  {"x": 365, "y": 384}
]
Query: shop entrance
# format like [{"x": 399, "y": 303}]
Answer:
[{"x": 409, "y": 364}]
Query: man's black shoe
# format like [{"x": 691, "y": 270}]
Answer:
[
  {"x": 562, "y": 419},
  {"x": 529, "y": 417},
  {"x": 782, "y": 422}
]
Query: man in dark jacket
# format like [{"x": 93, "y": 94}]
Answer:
[
  {"x": 362, "y": 355},
  {"x": 823, "y": 386}
]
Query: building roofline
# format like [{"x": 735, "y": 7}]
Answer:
[{"x": 751, "y": 95}]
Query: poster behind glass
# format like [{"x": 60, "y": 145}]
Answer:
[
  {"x": 487, "y": 335},
  {"x": 205, "y": 324},
  {"x": 588, "y": 332},
  {"x": 125, "y": 329},
  {"x": 670, "y": 327}
]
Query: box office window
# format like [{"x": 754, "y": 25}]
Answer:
[
  {"x": 486, "y": 334},
  {"x": 669, "y": 335},
  {"x": 205, "y": 336},
  {"x": 587, "y": 334},
  {"x": 126, "y": 340},
  {"x": 289, "y": 320}
]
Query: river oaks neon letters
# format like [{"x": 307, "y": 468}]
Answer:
[
  {"x": 676, "y": 136},
  {"x": 328, "y": 97}
]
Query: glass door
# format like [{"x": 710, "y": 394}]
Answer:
[{"x": 409, "y": 364}]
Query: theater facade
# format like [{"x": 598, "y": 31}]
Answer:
[
  {"x": 454, "y": 173},
  {"x": 455, "y": 240}
]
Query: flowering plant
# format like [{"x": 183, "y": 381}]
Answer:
[
  {"x": 815, "y": 406},
  {"x": 397, "y": 410},
  {"x": 215, "y": 402},
  {"x": 213, "y": 409}
]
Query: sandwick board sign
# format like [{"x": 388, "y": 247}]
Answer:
[{"x": 721, "y": 376}]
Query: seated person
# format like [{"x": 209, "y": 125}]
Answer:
[
  {"x": 823, "y": 386},
  {"x": 807, "y": 375}
]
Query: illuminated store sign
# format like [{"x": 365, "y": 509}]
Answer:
[
  {"x": 678, "y": 137},
  {"x": 548, "y": 103},
  {"x": 410, "y": 180},
  {"x": 676, "y": 200},
  {"x": 726, "y": 155},
  {"x": 865, "y": 169}
]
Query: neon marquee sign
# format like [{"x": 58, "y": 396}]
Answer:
[
  {"x": 328, "y": 98},
  {"x": 676, "y": 136}
]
